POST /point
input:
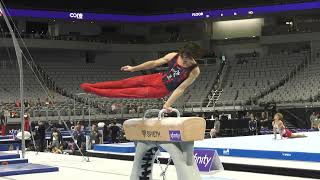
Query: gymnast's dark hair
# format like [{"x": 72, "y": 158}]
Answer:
[{"x": 191, "y": 50}]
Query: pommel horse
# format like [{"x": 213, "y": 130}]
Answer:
[{"x": 176, "y": 135}]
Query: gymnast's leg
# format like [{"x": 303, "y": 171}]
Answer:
[
  {"x": 298, "y": 136},
  {"x": 138, "y": 92},
  {"x": 138, "y": 81}
]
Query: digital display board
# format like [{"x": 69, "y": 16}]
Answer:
[{"x": 260, "y": 10}]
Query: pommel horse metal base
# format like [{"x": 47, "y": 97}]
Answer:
[{"x": 174, "y": 135}]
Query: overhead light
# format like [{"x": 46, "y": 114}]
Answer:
[
  {"x": 235, "y": 13},
  {"x": 250, "y": 12},
  {"x": 207, "y": 16},
  {"x": 221, "y": 14},
  {"x": 91, "y": 22},
  {"x": 73, "y": 21},
  {"x": 253, "y": 36},
  {"x": 226, "y": 38}
]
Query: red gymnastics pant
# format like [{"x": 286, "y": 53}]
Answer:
[
  {"x": 146, "y": 86},
  {"x": 3, "y": 130}
]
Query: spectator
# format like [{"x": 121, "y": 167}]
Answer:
[
  {"x": 264, "y": 120},
  {"x": 26, "y": 103},
  {"x": 106, "y": 132},
  {"x": 114, "y": 131},
  {"x": 214, "y": 132},
  {"x": 113, "y": 107},
  {"x": 313, "y": 120},
  {"x": 47, "y": 103},
  {"x": 56, "y": 138},
  {"x": 38, "y": 104},
  {"x": 140, "y": 108},
  {"x": 3, "y": 123},
  {"x": 95, "y": 136},
  {"x": 26, "y": 122},
  {"x": 42, "y": 136},
  {"x": 253, "y": 124},
  {"x": 132, "y": 109},
  {"x": 17, "y": 103},
  {"x": 79, "y": 137},
  {"x": 247, "y": 116}
]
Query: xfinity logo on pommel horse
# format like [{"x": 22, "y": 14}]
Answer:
[{"x": 148, "y": 134}]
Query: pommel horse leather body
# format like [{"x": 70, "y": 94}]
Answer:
[
  {"x": 165, "y": 130},
  {"x": 176, "y": 135}
]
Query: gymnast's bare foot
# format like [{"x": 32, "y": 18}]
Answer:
[{"x": 86, "y": 87}]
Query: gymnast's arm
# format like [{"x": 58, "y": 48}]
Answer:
[
  {"x": 181, "y": 88},
  {"x": 150, "y": 64},
  {"x": 274, "y": 130},
  {"x": 282, "y": 129}
]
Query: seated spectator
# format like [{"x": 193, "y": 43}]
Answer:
[
  {"x": 140, "y": 108},
  {"x": 26, "y": 103},
  {"x": 132, "y": 109},
  {"x": 38, "y": 103},
  {"x": 57, "y": 150},
  {"x": 17, "y": 103},
  {"x": 47, "y": 103}
]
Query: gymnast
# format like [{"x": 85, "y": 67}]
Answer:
[
  {"x": 182, "y": 72},
  {"x": 278, "y": 127}
]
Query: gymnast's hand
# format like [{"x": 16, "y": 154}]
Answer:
[
  {"x": 127, "y": 68},
  {"x": 168, "y": 108}
]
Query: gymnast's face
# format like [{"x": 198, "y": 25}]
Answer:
[
  {"x": 187, "y": 60},
  {"x": 276, "y": 117}
]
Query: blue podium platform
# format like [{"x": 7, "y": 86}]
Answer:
[
  {"x": 116, "y": 148},
  {"x": 13, "y": 161},
  {"x": 25, "y": 168},
  {"x": 4, "y": 155},
  {"x": 6, "y": 137},
  {"x": 12, "y": 164}
]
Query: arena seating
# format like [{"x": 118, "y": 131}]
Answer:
[
  {"x": 303, "y": 87},
  {"x": 251, "y": 76},
  {"x": 9, "y": 85}
]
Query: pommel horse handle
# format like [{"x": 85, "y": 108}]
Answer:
[{"x": 161, "y": 113}]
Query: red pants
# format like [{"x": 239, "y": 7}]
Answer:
[
  {"x": 3, "y": 130},
  {"x": 26, "y": 125},
  {"x": 147, "y": 86},
  {"x": 287, "y": 133}
]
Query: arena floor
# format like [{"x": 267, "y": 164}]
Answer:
[{"x": 71, "y": 167}]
